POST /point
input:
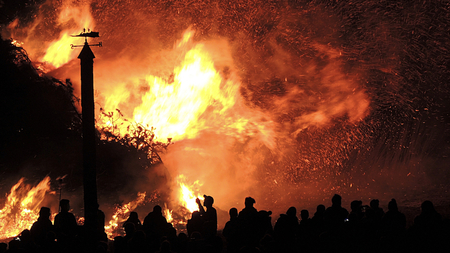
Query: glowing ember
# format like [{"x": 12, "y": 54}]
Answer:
[
  {"x": 80, "y": 221},
  {"x": 121, "y": 214},
  {"x": 17, "y": 43},
  {"x": 22, "y": 207},
  {"x": 188, "y": 193}
]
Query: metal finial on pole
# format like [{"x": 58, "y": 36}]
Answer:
[{"x": 85, "y": 34}]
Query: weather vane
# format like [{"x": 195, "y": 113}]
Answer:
[{"x": 90, "y": 34}]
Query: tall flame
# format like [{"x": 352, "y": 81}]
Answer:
[
  {"x": 168, "y": 214},
  {"x": 190, "y": 100},
  {"x": 22, "y": 206},
  {"x": 188, "y": 194},
  {"x": 195, "y": 93},
  {"x": 76, "y": 18}
]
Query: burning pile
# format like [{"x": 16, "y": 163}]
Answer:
[
  {"x": 22, "y": 207},
  {"x": 192, "y": 94},
  {"x": 288, "y": 95}
]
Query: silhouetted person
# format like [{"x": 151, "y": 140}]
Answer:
[
  {"x": 264, "y": 223},
  {"x": 306, "y": 231},
  {"x": 378, "y": 211},
  {"x": 155, "y": 223},
  {"x": 194, "y": 224},
  {"x": 65, "y": 223},
  {"x": 393, "y": 221},
  {"x": 42, "y": 226},
  {"x": 285, "y": 230},
  {"x": 335, "y": 215},
  {"x": 287, "y": 224},
  {"x": 427, "y": 233},
  {"x": 429, "y": 218},
  {"x": 248, "y": 220},
  {"x": 355, "y": 216},
  {"x": 318, "y": 219},
  {"x": 231, "y": 231},
  {"x": 370, "y": 222},
  {"x": 393, "y": 226},
  {"x": 129, "y": 231},
  {"x": 209, "y": 216},
  {"x": 305, "y": 223},
  {"x": 249, "y": 213},
  {"x": 134, "y": 218}
]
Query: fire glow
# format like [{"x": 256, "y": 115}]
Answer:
[
  {"x": 120, "y": 215},
  {"x": 194, "y": 89},
  {"x": 188, "y": 194},
  {"x": 22, "y": 207},
  {"x": 76, "y": 18},
  {"x": 180, "y": 103}
]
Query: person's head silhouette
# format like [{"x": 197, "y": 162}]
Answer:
[
  {"x": 336, "y": 200},
  {"x": 64, "y": 205},
  {"x": 249, "y": 201}
]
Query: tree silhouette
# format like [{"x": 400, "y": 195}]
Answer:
[{"x": 40, "y": 133}]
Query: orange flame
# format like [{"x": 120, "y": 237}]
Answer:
[
  {"x": 176, "y": 105},
  {"x": 196, "y": 94},
  {"x": 77, "y": 18},
  {"x": 168, "y": 214},
  {"x": 121, "y": 214},
  {"x": 22, "y": 207},
  {"x": 188, "y": 194}
]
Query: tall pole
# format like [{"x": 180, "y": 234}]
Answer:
[{"x": 89, "y": 171}]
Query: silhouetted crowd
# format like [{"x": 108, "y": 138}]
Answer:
[{"x": 366, "y": 228}]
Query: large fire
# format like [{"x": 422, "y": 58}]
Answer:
[
  {"x": 190, "y": 93},
  {"x": 22, "y": 207},
  {"x": 195, "y": 97}
]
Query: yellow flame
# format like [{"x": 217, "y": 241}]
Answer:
[
  {"x": 168, "y": 214},
  {"x": 188, "y": 194},
  {"x": 121, "y": 214},
  {"x": 175, "y": 107},
  {"x": 77, "y": 18},
  {"x": 187, "y": 36},
  {"x": 22, "y": 207},
  {"x": 59, "y": 52}
]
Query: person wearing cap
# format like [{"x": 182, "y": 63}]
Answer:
[{"x": 209, "y": 216}]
